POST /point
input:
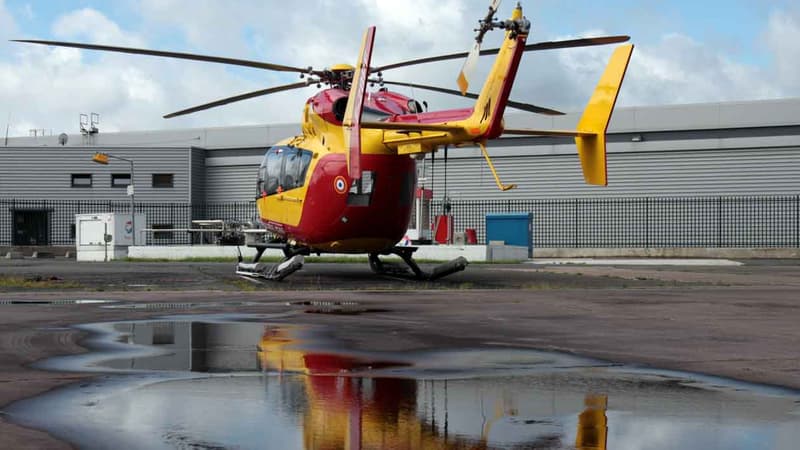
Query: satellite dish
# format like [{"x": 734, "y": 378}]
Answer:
[{"x": 63, "y": 138}]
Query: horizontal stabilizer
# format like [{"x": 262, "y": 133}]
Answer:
[
  {"x": 562, "y": 133},
  {"x": 411, "y": 126}
]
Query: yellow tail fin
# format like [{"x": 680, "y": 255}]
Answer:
[{"x": 592, "y": 148}]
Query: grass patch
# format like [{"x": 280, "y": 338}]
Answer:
[
  {"x": 244, "y": 285},
  {"x": 498, "y": 261},
  {"x": 36, "y": 282},
  {"x": 308, "y": 259},
  {"x": 185, "y": 260}
]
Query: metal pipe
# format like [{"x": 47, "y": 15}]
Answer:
[
  {"x": 102, "y": 158},
  {"x": 133, "y": 206}
]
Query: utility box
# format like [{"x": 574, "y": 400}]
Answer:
[
  {"x": 106, "y": 236},
  {"x": 514, "y": 229}
]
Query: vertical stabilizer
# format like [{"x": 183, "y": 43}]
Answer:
[{"x": 597, "y": 114}]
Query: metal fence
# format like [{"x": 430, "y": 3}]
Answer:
[
  {"x": 646, "y": 222},
  {"x": 59, "y": 218}
]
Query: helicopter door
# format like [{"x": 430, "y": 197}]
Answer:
[
  {"x": 268, "y": 185},
  {"x": 281, "y": 184}
]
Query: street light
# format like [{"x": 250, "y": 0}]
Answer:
[{"x": 102, "y": 158}]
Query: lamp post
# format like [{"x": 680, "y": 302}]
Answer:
[{"x": 102, "y": 158}]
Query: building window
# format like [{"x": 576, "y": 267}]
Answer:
[
  {"x": 162, "y": 180},
  {"x": 120, "y": 179},
  {"x": 82, "y": 180},
  {"x": 162, "y": 234}
]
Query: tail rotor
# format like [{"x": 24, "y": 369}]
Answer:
[{"x": 468, "y": 68}]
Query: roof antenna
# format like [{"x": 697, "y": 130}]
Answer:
[{"x": 8, "y": 124}]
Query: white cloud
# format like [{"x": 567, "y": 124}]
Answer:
[
  {"x": 49, "y": 88},
  {"x": 674, "y": 70},
  {"x": 211, "y": 25},
  {"x": 7, "y": 25},
  {"x": 680, "y": 70},
  {"x": 783, "y": 41},
  {"x": 93, "y": 26},
  {"x": 27, "y": 11}
]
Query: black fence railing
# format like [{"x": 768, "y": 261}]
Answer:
[
  {"x": 52, "y": 222},
  {"x": 647, "y": 222}
]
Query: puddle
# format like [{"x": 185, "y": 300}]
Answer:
[
  {"x": 343, "y": 311},
  {"x": 243, "y": 382},
  {"x": 178, "y": 305},
  {"x": 57, "y": 302},
  {"x": 334, "y": 307}
]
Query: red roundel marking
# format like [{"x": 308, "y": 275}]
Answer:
[{"x": 340, "y": 185}]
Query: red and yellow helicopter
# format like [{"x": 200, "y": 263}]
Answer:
[{"x": 347, "y": 183}]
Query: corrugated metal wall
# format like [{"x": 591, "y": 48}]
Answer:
[
  {"x": 198, "y": 175},
  {"x": 45, "y": 173},
  {"x": 759, "y": 171},
  {"x": 655, "y": 173},
  {"x": 231, "y": 183},
  {"x": 231, "y": 174}
]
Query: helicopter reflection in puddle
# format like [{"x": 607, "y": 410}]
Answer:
[
  {"x": 360, "y": 413},
  {"x": 222, "y": 382}
]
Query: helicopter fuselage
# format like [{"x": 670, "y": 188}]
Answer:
[{"x": 306, "y": 197}]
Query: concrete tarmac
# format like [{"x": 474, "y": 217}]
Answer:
[{"x": 734, "y": 321}]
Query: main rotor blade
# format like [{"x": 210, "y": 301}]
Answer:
[
  {"x": 237, "y": 98},
  {"x": 164, "y": 54},
  {"x": 512, "y": 104},
  {"x": 547, "y": 45},
  {"x": 468, "y": 68}
]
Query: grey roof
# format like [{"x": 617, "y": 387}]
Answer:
[
  {"x": 702, "y": 116},
  {"x": 214, "y": 137}
]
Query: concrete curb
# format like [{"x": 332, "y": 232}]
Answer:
[
  {"x": 678, "y": 252},
  {"x": 635, "y": 262}
]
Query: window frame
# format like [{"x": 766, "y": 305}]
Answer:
[
  {"x": 120, "y": 176},
  {"x": 81, "y": 176},
  {"x": 163, "y": 185}
]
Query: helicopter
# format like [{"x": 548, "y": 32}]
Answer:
[{"x": 346, "y": 184}]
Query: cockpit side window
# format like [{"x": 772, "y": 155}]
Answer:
[
  {"x": 305, "y": 161},
  {"x": 290, "y": 170},
  {"x": 284, "y": 168},
  {"x": 274, "y": 166},
  {"x": 261, "y": 186}
]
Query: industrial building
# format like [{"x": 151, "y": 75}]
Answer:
[{"x": 711, "y": 175}]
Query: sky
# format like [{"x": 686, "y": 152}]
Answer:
[{"x": 686, "y": 52}]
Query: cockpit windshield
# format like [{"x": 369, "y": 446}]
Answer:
[{"x": 284, "y": 168}]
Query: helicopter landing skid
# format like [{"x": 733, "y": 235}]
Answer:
[
  {"x": 405, "y": 253},
  {"x": 291, "y": 263}
]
